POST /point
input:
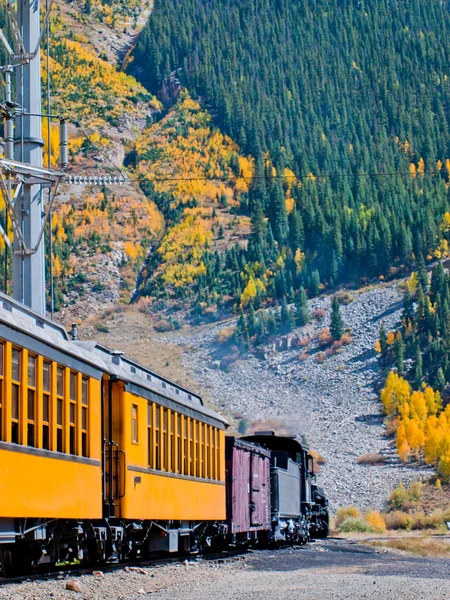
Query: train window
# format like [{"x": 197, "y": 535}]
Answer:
[
  {"x": 73, "y": 413},
  {"x": 157, "y": 463},
  {"x": 46, "y": 383},
  {"x": 84, "y": 416},
  {"x": 165, "y": 440},
  {"x": 200, "y": 450},
  {"x": 192, "y": 452},
  {"x": 15, "y": 395},
  {"x": 207, "y": 451},
  {"x": 213, "y": 453},
  {"x": 1, "y": 391},
  {"x": 149, "y": 435},
  {"x": 173, "y": 427},
  {"x": 59, "y": 409},
  {"x": 197, "y": 449},
  {"x": 31, "y": 395},
  {"x": 186, "y": 428},
  {"x": 134, "y": 424},
  {"x": 179, "y": 445},
  {"x": 217, "y": 454}
]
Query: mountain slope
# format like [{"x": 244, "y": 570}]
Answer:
[{"x": 356, "y": 93}]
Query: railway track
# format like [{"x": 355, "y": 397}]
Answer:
[{"x": 77, "y": 571}]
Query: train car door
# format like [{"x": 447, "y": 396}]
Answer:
[
  {"x": 258, "y": 489},
  {"x": 113, "y": 455}
]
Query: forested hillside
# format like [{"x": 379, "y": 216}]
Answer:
[{"x": 352, "y": 96}]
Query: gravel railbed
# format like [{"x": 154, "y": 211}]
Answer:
[
  {"x": 334, "y": 404},
  {"x": 329, "y": 570}
]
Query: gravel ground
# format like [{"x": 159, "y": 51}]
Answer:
[
  {"x": 334, "y": 404},
  {"x": 328, "y": 570}
]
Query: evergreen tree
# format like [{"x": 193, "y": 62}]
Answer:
[
  {"x": 303, "y": 316},
  {"x": 315, "y": 284},
  {"x": 418, "y": 367},
  {"x": 251, "y": 321},
  {"x": 408, "y": 308},
  {"x": 422, "y": 274},
  {"x": 241, "y": 332},
  {"x": 438, "y": 281},
  {"x": 399, "y": 353},
  {"x": 337, "y": 322},
  {"x": 286, "y": 323},
  {"x": 439, "y": 383},
  {"x": 383, "y": 342}
]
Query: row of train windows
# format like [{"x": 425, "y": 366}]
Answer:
[
  {"x": 40, "y": 411},
  {"x": 178, "y": 444}
]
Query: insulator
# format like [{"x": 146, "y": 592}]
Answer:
[
  {"x": 9, "y": 138},
  {"x": 63, "y": 144}
]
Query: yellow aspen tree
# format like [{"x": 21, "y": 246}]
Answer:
[
  {"x": 404, "y": 451},
  {"x": 444, "y": 466},
  {"x": 415, "y": 436},
  {"x": 419, "y": 406},
  {"x": 390, "y": 338},
  {"x": 432, "y": 444},
  {"x": 421, "y": 167}
]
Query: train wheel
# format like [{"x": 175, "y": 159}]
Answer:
[{"x": 13, "y": 561}]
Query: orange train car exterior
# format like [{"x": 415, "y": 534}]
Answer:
[{"x": 100, "y": 458}]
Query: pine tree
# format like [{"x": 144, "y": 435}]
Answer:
[
  {"x": 408, "y": 308},
  {"x": 422, "y": 274},
  {"x": 440, "y": 382},
  {"x": 241, "y": 332},
  {"x": 418, "y": 367},
  {"x": 278, "y": 215},
  {"x": 315, "y": 284},
  {"x": 251, "y": 321},
  {"x": 383, "y": 342},
  {"x": 286, "y": 323},
  {"x": 437, "y": 281},
  {"x": 337, "y": 322},
  {"x": 399, "y": 353},
  {"x": 303, "y": 316}
]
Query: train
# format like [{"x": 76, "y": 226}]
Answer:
[{"x": 102, "y": 459}]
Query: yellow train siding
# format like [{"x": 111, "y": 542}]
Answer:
[
  {"x": 35, "y": 479},
  {"x": 166, "y": 497},
  {"x": 174, "y": 465},
  {"x": 42, "y": 487}
]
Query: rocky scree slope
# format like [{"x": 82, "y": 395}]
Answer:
[{"x": 334, "y": 405}]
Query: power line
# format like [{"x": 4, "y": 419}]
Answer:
[{"x": 319, "y": 178}]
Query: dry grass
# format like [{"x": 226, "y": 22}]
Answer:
[
  {"x": 371, "y": 459},
  {"x": 320, "y": 357},
  {"x": 416, "y": 546}
]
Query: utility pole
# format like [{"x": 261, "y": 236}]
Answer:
[{"x": 28, "y": 267}]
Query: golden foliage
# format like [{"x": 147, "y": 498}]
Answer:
[
  {"x": 93, "y": 88},
  {"x": 376, "y": 520},
  {"x": 190, "y": 162},
  {"x": 422, "y": 426}
]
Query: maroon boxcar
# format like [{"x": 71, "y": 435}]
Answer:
[{"x": 248, "y": 491}]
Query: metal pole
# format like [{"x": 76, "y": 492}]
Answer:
[
  {"x": 9, "y": 153},
  {"x": 28, "y": 269},
  {"x": 49, "y": 140}
]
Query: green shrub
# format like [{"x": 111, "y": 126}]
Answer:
[
  {"x": 355, "y": 525},
  {"x": 347, "y": 511},
  {"x": 399, "y": 498},
  {"x": 415, "y": 491}
]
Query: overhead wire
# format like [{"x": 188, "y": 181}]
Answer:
[{"x": 322, "y": 177}]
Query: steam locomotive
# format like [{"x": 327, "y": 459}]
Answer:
[{"x": 101, "y": 459}]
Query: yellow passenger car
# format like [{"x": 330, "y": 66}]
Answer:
[
  {"x": 100, "y": 458},
  {"x": 168, "y": 453}
]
